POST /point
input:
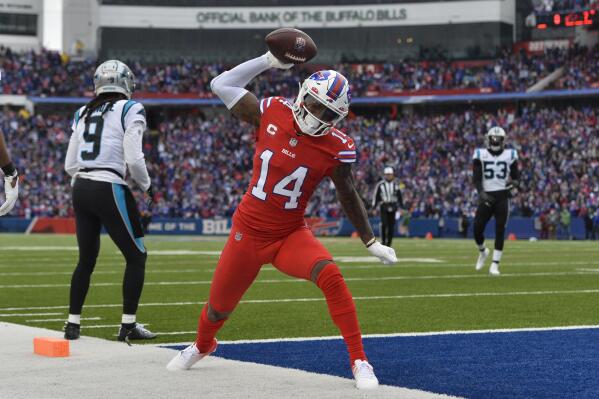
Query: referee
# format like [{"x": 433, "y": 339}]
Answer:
[{"x": 388, "y": 196}]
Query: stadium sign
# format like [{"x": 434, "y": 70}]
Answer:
[
  {"x": 375, "y": 15},
  {"x": 302, "y": 18}
]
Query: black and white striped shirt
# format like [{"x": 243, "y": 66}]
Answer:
[{"x": 387, "y": 193}]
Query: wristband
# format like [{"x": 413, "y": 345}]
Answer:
[
  {"x": 8, "y": 169},
  {"x": 372, "y": 241}
]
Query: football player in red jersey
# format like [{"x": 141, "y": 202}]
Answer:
[{"x": 297, "y": 146}]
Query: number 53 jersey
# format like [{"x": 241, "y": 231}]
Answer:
[
  {"x": 496, "y": 168},
  {"x": 287, "y": 168},
  {"x": 100, "y": 138}
]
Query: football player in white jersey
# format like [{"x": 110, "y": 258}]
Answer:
[
  {"x": 105, "y": 142},
  {"x": 11, "y": 179},
  {"x": 496, "y": 174}
]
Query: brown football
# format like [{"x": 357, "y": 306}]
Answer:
[{"x": 291, "y": 45}]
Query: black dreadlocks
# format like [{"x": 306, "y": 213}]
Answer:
[{"x": 105, "y": 99}]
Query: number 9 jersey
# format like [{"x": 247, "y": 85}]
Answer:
[
  {"x": 287, "y": 168},
  {"x": 496, "y": 168},
  {"x": 100, "y": 137}
]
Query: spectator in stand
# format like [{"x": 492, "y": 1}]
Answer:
[
  {"x": 463, "y": 224},
  {"x": 588, "y": 225},
  {"x": 553, "y": 220},
  {"x": 565, "y": 221},
  {"x": 49, "y": 73}
]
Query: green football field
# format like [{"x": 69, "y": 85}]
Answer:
[{"x": 433, "y": 288}]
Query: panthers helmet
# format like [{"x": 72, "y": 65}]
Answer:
[
  {"x": 495, "y": 139},
  {"x": 113, "y": 76},
  {"x": 323, "y": 100}
]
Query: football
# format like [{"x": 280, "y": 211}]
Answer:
[{"x": 291, "y": 45}]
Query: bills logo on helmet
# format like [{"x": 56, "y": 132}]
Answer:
[
  {"x": 320, "y": 75},
  {"x": 336, "y": 87}
]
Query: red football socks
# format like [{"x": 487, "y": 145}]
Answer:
[
  {"x": 342, "y": 310},
  {"x": 207, "y": 330}
]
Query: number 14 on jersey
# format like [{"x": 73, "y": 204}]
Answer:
[{"x": 296, "y": 178}]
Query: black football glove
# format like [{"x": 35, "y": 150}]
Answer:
[
  {"x": 149, "y": 197},
  {"x": 485, "y": 199}
]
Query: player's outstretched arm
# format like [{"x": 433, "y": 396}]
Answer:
[
  {"x": 11, "y": 178},
  {"x": 229, "y": 86},
  {"x": 356, "y": 212}
]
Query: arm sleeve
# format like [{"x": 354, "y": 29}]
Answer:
[
  {"x": 134, "y": 156},
  {"x": 477, "y": 175},
  {"x": 514, "y": 171},
  {"x": 229, "y": 85},
  {"x": 70, "y": 164}
]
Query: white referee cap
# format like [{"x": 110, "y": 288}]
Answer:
[{"x": 388, "y": 170}]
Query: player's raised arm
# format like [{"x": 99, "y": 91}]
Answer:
[
  {"x": 356, "y": 212},
  {"x": 229, "y": 86},
  {"x": 11, "y": 178}
]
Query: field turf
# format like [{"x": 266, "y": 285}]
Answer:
[{"x": 433, "y": 288}]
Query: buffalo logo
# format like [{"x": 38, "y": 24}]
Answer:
[
  {"x": 320, "y": 75},
  {"x": 293, "y": 142},
  {"x": 300, "y": 44},
  {"x": 323, "y": 227}
]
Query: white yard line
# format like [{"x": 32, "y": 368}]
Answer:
[
  {"x": 119, "y": 266},
  {"x": 61, "y": 319},
  {"x": 85, "y": 326},
  {"x": 411, "y": 334},
  {"x": 277, "y": 281},
  {"x": 28, "y": 314},
  {"x": 38, "y": 248},
  {"x": 321, "y": 299}
]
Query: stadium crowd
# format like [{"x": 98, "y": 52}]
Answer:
[
  {"x": 563, "y": 5},
  {"x": 200, "y": 166},
  {"x": 49, "y": 73}
]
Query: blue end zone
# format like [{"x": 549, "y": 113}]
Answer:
[{"x": 529, "y": 364}]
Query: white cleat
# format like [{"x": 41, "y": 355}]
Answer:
[
  {"x": 482, "y": 257},
  {"x": 494, "y": 269},
  {"x": 364, "y": 375},
  {"x": 188, "y": 357}
]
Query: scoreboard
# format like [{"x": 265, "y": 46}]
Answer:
[{"x": 567, "y": 19}]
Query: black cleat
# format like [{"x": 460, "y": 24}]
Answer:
[
  {"x": 71, "y": 330},
  {"x": 137, "y": 332}
]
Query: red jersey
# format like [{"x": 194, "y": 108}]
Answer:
[{"x": 287, "y": 169}]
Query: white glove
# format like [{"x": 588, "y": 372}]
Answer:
[
  {"x": 11, "y": 189},
  {"x": 274, "y": 62},
  {"x": 384, "y": 253}
]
